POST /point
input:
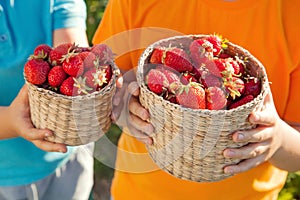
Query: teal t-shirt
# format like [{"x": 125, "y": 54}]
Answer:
[{"x": 24, "y": 24}]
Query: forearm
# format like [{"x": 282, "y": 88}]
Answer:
[
  {"x": 5, "y": 125},
  {"x": 287, "y": 156}
]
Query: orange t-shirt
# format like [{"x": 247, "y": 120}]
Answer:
[{"x": 267, "y": 28}]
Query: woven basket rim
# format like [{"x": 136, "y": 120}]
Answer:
[{"x": 141, "y": 82}]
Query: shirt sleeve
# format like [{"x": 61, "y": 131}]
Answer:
[{"x": 69, "y": 13}]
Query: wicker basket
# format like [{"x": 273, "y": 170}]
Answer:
[
  {"x": 74, "y": 120},
  {"x": 189, "y": 143}
]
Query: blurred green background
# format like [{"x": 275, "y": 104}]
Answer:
[{"x": 103, "y": 173}]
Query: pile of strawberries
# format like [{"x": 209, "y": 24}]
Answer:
[
  {"x": 201, "y": 75},
  {"x": 69, "y": 69}
]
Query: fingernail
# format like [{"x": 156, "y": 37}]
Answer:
[
  {"x": 47, "y": 134},
  {"x": 241, "y": 136},
  {"x": 228, "y": 170},
  {"x": 116, "y": 101},
  {"x": 228, "y": 153}
]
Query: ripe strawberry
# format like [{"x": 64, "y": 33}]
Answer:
[
  {"x": 36, "y": 71},
  {"x": 58, "y": 52},
  {"x": 241, "y": 101},
  {"x": 56, "y": 76},
  {"x": 191, "y": 96},
  {"x": 90, "y": 76},
  {"x": 235, "y": 86},
  {"x": 220, "y": 67},
  {"x": 215, "y": 98},
  {"x": 187, "y": 77},
  {"x": 217, "y": 42},
  {"x": 156, "y": 81},
  {"x": 209, "y": 80},
  {"x": 157, "y": 55},
  {"x": 103, "y": 75},
  {"x": 103, "y": 52},
  {"x": 88, "y": 59},
  {"x": 73, "y": 65},
  {"x": 252, "y": 86},
  {"x": 67, "y": 87},
  {"x": 42, "y": 51},
  {"x": 198, "y": 52},
  {"x": 171, "y": 75},
  {"x": 173, "y": 57}
]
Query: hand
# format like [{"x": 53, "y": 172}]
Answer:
[
  {"x": 129, "y": 112},
  {"x": 263, "y": 141},
  {"x": 21, "y": 125}
]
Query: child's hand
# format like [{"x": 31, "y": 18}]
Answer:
[{"x": 20, "y": 124}]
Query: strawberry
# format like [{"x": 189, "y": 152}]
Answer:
[
  {"x": 42, "y": 51},
  {"x": 235, "y": 86},
  {"x": 201, "y": 51},
  {"x": 252, "y": 86},
  {"x": 89, "y": 75},
  {"x": 103, "y": 75},
  {"x": 73, "y": 64},
  {"x": 67, "y": 87},
  {"x": 156, "y": 81},
  {"x": 88, "y": 58},
  {"x": 220, "y": 67},
  {"x": 215, "y": 98},
  {"x": 36, "y": 71},
  {"x": 217, "y": 44},
  {"x": 191, "y": 95},
  {"x": 173, "y": 57},
  {"x": 209, "y": 80},
  {"x": 58, "y": 52},
  {"x": 56, "y": 76},
  {"x": 170, "y": 74},
  {"x": 103, "y": 52},
  {"x": 187, "y": 77},
  {"x": 241, "y": 101}
]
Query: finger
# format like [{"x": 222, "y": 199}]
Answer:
[
  {"x": 116, "y": 111},
  {"x": 50, "y": 146},
  {"x": 140, "y": 125},
  {"x": 251, "y": 150},
  {"x": 258, "y": 134},
  {"x": 133, "y": 89},
  {"x": 117, "y": 99},
  {"x": 119, "y": 82},
  {"x": 137, "y": 109},
  {"x": 35, "y": 134},
  {"x": 245, "y": 165},
  {"x": 263, "y": 118},
  {"x": 139, "y": 135}
]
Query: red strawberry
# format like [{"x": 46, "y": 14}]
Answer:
[
  {"x": 220, "y": 67},
  {"x": 235, "y": 86},
  {"x": 58, "y": 52},
  {"x": 201, "y": 51},
  {"x": 156, "y": 81},
  {"x": 103, "y": 52},
  {"x": 235, "y": 65},
  {"x": 215, "y": 98},
  {"x": 36, "y": 71},
  {"x": 56, "y": 76},
  {"x": 90, "y": 76},
  {"x": 103, "y": 75},
  {"x": 252, "y": 86},
  {"x": 73, "y": 65},
  {"x": 67, "y": 87},
  {"x": 173, "y": 57},
  {"x": 209, "y": 80},
  {"x": 241, "y": 101},
  {"x": 191, "y": 96},
  {"x": 187, "y": 78},
  {"x": 170, "y": 74},
  {"x": 88, "y": 58},
  {"x": 42, "y": 51},
  {"x": 157, "y": 55},
  {"x": 218, "y": 43}
]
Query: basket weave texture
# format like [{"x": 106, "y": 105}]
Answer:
[
  {"x": 74, "y": 120},
  {"x": 189, "y": 143}
]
